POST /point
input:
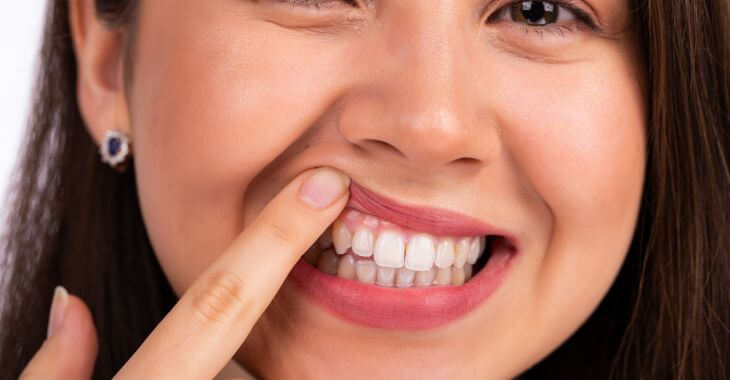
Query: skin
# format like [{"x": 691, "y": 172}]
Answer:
[{"x": 542, "y": 132}]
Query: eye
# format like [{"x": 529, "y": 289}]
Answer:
[
  {"x": 536, "y": 12},
  {"x": 542, "y": 13}
]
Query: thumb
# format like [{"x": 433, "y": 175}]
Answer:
[{"x": 69, "y": 352}]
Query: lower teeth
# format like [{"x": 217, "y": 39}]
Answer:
[{"x": 365, "y": 270}]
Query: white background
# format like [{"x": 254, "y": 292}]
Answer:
[{"x": 21, "y": 22}]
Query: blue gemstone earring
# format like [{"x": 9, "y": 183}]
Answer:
[{"x": 115, "y": 149}]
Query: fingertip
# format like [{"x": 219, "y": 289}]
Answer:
[
  {"x": 323, "y": 187},
  {"x": 71, "y": 348},
  {"x": 81, "y": 327}
]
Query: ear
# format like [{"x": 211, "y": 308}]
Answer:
[{"x": 99, "y": 50}]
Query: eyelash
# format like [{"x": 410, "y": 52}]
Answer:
[{"x": 580, "y": 15}]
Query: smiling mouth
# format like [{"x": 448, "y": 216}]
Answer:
[
  {"x": 388, "y": 265},
  {"x": 371, "y": 250},
  {"x": 376, "y": 240}
]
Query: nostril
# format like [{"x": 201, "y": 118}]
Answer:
[
  {"x": 383, "y": 145},
  {"x": 466, "y": 161}
]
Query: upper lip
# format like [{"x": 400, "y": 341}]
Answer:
[{"x": 421, "y": 218}]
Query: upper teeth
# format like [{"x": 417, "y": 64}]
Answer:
[
  {"x": 393, "y": 247},
  {"x": 389, "y": 249}
]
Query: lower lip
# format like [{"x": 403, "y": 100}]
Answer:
[{"x": 402, "y": 309}]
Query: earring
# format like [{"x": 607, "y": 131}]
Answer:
[{"x": 115, "y": 149}]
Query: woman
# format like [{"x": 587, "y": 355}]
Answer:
[{"x": 476, "y": 189}]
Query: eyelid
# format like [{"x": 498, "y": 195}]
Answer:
[{"x": 318, "y": 3}]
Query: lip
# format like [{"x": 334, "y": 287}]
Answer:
[
  {"x": 408, "y": 308},
  {"x": 426, "y": 219}
]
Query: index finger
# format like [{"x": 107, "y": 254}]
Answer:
[{"x": 212, "y": 319}]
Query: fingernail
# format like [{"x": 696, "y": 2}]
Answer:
[
  {"x": 323, "y": 187},
  {"x": 58, "y": 310}
]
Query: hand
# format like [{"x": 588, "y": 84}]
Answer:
[{"x": 213, "y": 317}]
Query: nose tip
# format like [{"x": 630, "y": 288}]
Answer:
[
  {"x": 425, "y": 105},
  {"x": 428, "y": 136},
  {"x": 434, "y": 137},
  {"x": 428, "y": 123}
]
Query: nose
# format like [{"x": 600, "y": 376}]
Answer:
[{"x": 421, "y": 103}]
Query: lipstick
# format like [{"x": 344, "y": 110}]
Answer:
[{"x": 415, "y": 308}]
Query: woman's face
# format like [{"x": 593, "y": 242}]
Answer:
[{"x": 464, "y": 106}]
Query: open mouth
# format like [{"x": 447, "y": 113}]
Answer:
[
  {"x": 371, "y": 250},
  {"x": 388, "y": 265}
]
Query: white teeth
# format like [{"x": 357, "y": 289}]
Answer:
[
  {"x": 365, "y": 270},
  {"x": 457, "y": 276},
  {"x": 389, "y": 249},
  {"x": 420, "y": 252},
  {"x": 445, "y": 254},
  {"x": 443, "y": 276},
  {"x": 468, "y": 270},
  {"x": 475, "y": 250},
  {"x": 461, "y": 251},
  {"x": 328, "y": 262},
  {"x": 341, "y": 237},
  {"x": 346, "y": 267},
  {"x": 425, "y": 278},
  {"x": 401, "y": 258},
  {"x": 404, "y": 277},
  {"x": 385, "y": 276},
  {"x": 362, "y": 242}
]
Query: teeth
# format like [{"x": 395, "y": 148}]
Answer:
[
  {"x": 328, "y": 262},
  {"x": 445, "y": 254},
  {"x": 346, "y": 267},
  {"x": 475, "y": 250},
  {"x": 368, "y": 272},
  {"x": 443, "y": 276},
  {"x": 385, "y": 276},
  {"x": 341, "y": 237},
  {"x": 420, "y": 252},
  {"x": 457, "y": 276},
  {"x": 389, "y": 255},
  {"x": 468, "y": 271},
  {"x": 389, "y": 249},
  {"x": 362, "y": 242},
  {"x": 461, "y": 251},
  {"x": 365, "y": 270},
  {"x": 425, "y": 278},
  {"x": 404, "y": 278}
]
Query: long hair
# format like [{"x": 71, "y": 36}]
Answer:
[{"x": 75, "y": 222}]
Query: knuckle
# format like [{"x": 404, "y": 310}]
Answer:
[{"x": 221, "y": 300}]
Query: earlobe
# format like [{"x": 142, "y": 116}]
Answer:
[{"x": 99, "y": 51}]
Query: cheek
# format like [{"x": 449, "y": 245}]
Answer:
[
  {"x": 209, "y": 113},
  {"x": 580, "y": 141},
  {"x": 578, "y": 135}
]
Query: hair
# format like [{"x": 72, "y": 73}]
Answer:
[{"x": 73, "y": 221}]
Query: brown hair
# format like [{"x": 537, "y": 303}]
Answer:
[{"x": 75, "y": 222}]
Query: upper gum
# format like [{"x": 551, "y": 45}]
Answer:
[{"x": 353, "y": 219}]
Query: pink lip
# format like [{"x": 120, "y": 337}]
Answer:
[
  {"x": 426, "y": 219},
  {"x": 409, "y": 308}
]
